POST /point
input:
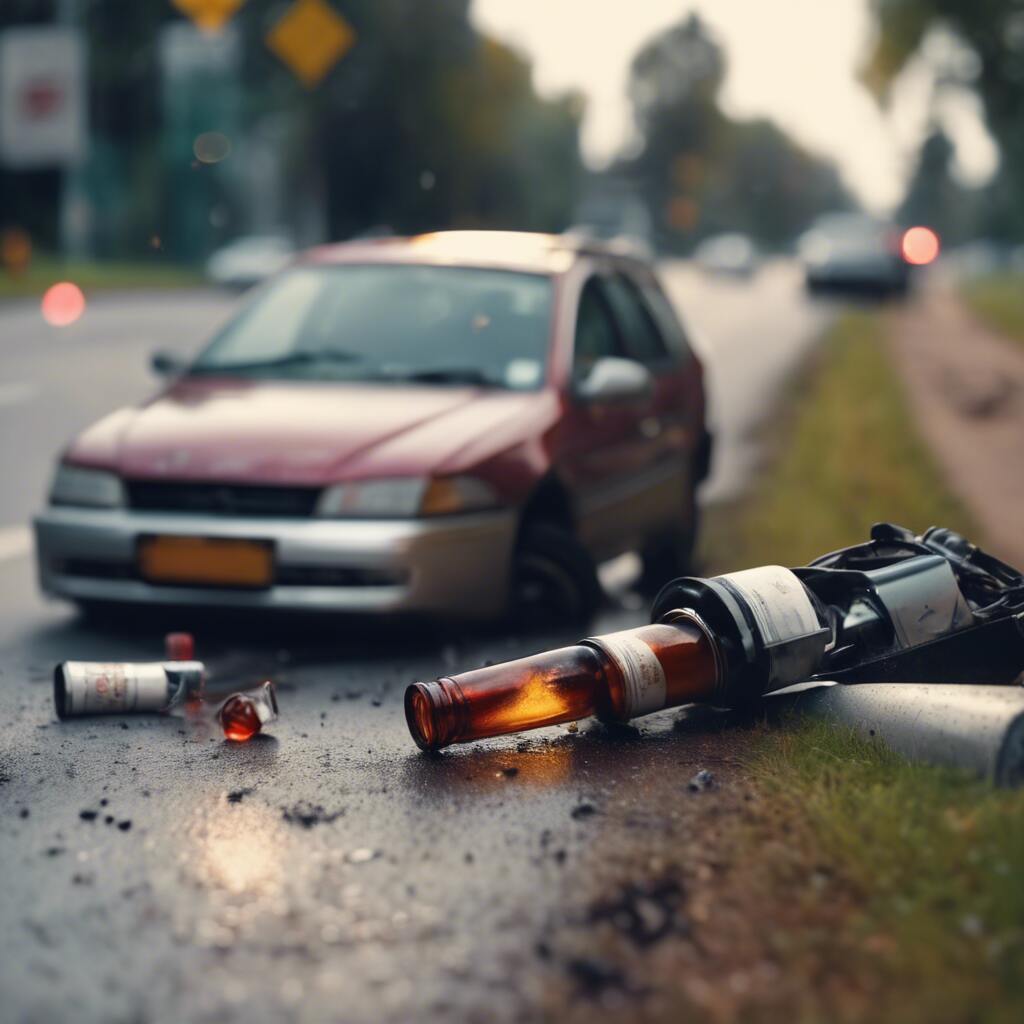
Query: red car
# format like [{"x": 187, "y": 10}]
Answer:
[{"x": 460, "y": 423}]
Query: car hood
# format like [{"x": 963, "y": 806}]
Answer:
[{"x": 310, "y": 433}]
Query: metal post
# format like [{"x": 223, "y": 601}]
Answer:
[
  {"x": 979, "y": 728},
  {"x": 73, "y": 226}
]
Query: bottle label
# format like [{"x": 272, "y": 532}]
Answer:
[
  {"x": 94, "y": 687},
  {"x": 642, "y": 674},
  {"x": 786, "y": 618},
  {"x": 778, "y": 600}
]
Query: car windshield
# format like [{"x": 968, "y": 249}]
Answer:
[
  {"x": 426, "y": 324},
  {"x": 851, "y": 227}
]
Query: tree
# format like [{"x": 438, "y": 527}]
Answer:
[
  {"x": 934, "y": 197},
  {"x": 702, "y": 172},
  {"x": 423, "y": 124},
  {"x": 992, "y": 31}
]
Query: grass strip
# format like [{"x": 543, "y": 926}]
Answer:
[
  {"x": 95, "y": 276},
  {"x": 846, "y": 456},
  {"x": 925, "y": 862},
  {"x": 893, "y": 888}
]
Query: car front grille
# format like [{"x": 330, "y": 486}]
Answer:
[{"x": 222, "y": 499}]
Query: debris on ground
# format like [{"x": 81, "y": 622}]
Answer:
[
  {"x": 644, "y": 914},
  {"x": 308, "y": 815},
  {"x": 244, "y": 714},
  {"x": 361, "y": 855},
  {"x": 701, "y": 781},
  {"x": 175, "y": 686},
  {"x": 594, "y": 977}
]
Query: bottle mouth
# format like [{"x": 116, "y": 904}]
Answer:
[{"x": 430, "y": 714}]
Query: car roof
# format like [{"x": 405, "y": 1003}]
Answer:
[{"x": 523, "y": 251}]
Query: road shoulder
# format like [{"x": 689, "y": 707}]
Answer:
[{"x": 965, "y": 387}]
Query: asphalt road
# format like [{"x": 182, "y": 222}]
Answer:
[{"x": 155, "y": 873}]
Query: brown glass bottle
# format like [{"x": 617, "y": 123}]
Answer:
[{"x": 617, "y": 676}]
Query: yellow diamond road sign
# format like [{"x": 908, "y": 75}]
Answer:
[
  {"x": 208, "y": 15},
  {"x": 311, "y": 38}
]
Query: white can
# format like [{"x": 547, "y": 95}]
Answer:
[{"x": 124, "y": 688}]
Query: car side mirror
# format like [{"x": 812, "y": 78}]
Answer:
[
  {"x": 167, "y": 364},
  {"x": 612, "y": 379}
]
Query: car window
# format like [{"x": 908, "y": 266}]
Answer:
[
  {"x": 596, "y": 333},
  {"x": 641, "y": 336},
  {"x": 399, "y": 322},
  {"x": 672, "y": 329}
]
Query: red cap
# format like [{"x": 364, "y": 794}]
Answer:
[{"x": 179, "y": 647}]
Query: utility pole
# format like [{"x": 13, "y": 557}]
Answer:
[{"x": 75, "y": 215}]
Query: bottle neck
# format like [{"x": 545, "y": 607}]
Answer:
[{"x": 616, "y": 676}]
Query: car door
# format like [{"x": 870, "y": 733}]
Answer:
[
  {"x": 605, "y": 452},
  {"x": 664, "y": 456}
]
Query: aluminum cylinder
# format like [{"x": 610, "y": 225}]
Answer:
[{"x": 978, "y": 728}]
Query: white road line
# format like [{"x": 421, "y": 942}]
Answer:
[
  {"x": 15, "y": 392},
  {"x": 15, "y": 542}
]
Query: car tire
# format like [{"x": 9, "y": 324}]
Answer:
[
  {"x": 553, "y": 578},
  {"x": 671, "y": 554}
]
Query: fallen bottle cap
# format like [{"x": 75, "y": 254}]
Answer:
[{"x": 179, "y": 647}]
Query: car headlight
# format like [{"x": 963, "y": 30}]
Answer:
[
  {"x": 406, "y": 496},
  {"x": 75, "y": 485}
]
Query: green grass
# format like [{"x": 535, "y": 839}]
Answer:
[
  {"x": 894, "y": 889},
  {"x": 92, "y": 276},
  {"x": 999, "y": 301},
  {"x": 845, "y": 457},
  {"x": 926, "y": 860}
]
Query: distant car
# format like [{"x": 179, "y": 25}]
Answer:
[
  {"x": 249, "y": 260},
  {"x": 731, "y": 253},
  {"x": 459, "y": 423},
  {"x": 854, "y": 252}
]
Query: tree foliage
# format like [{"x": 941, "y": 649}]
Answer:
[
  {"x": 993, "y": 31},
  {"x": 423, "y": 124},
  {"x": 703, "y": 171}
]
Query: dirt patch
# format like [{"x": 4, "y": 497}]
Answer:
[
  {"x": 714, "y": 911},
  {"x": 965, "y": 385}
]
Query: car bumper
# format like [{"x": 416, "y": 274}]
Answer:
[{"x": 455, "y": 565}]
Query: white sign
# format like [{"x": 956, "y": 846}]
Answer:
[{"x": 42, "y": 97}]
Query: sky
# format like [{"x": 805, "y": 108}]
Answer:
[{"x": 794, "y": 61}]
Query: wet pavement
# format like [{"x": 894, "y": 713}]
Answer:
[
  {"x": 330, "y": 871},
  {"x": 327, "y": 868}
]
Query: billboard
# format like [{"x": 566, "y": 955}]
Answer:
[{"x": 42, "y": 97}]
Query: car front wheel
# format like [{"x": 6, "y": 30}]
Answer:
[{"x": 553, "y": 578}]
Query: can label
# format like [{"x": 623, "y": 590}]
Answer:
[
  {"x": 642, "y": 673},
  {"x": 99, "y": 687}
]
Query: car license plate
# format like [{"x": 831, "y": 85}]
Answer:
[{"x": 226, "y": 563}]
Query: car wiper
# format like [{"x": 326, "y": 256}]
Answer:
[
  {"x": 451, "y": 375},
  {"x": 305, "y": 358}
]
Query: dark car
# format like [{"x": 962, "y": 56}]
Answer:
[{"x": 856, "y": 253}]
